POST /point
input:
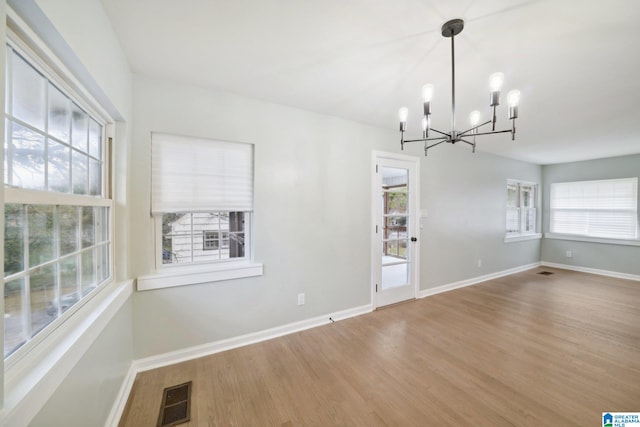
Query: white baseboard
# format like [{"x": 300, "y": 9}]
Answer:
[
  {"x": 121, "y": 399},
  {"x": 475, "y": 280},
  {"x": 158, "y": 361},
  {"x": 615, "y": 274}
]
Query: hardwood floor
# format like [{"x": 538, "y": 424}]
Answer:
[{"x": 522, "y": 350}]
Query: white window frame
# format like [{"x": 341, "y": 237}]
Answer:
[
  {"x": 170, "y": 275},
  {"x": 46, "y": 63},
  {"x": 523, "y": 235},
  {"x": 591, "y": 238}
]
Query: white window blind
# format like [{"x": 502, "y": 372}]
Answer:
[
  {"x": 200, "y": 175},
  {"x": 607, "y": 208}
]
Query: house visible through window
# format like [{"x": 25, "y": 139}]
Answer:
[
  {"x": 197, "y": 237},
  {"x": 521, "y": 208},
  {"x": 202, "y": 199},
  {"x": 57, "y": 237},
  {"x": 604, "y": 209}
]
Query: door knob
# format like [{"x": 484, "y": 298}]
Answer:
[{"x": 414, "y": 239}]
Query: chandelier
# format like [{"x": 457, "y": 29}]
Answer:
[{"x": 450, "y": 29}]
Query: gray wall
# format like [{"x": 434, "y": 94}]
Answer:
[
  {"x": 616, "y": 258},
  {"x": 312, "y": 215},
  {"x": 464, "y": 199}
]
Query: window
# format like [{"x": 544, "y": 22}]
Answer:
[
  {"x": 521, "y": 208},
  {"x": 202, "y": 199},
  {"x": 604, "y": 209},
  {"x": 57, "y": 220}
]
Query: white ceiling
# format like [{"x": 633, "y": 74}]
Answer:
[{"x": 576, "y": 62}]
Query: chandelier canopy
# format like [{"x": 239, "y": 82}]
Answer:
[{"x": 451, "y": 29}]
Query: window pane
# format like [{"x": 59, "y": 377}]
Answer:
[
  {"x": 88, "y": 231},
  {"x": 513, "y": 220},
  {"x": 88, "y": 270},
  {"x": 68, "y": 284},
  {"x": 95, "y": 139},
  {"x": 395, "y": 227},
  {"x": 28, "y": 92},
  {"x": 101, "y": 224},
  {"x": 27, "y": 158},
  {"x": 13, "y": 239},
  {"x": 40, "y": 218},
  {"x": 42, "y": 295},
  {"x": 59, "y": 178},
  {"x": 512, "y": 195},
  {"x": 69, "y": 229},
  {"x": 102, "y": 263},
  {"x": 79, "y": 172},
  {"x": 59, "y": 114},
  {"x": 79, "y": 128},
  {"x": 14, "y": 324},
  {"x": 95, "y": 178},
  {"x": 527, "y": 196}
]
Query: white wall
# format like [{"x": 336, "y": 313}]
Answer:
[{"x": 601, "y": 256}]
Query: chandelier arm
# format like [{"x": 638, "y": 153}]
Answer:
[
  {"x": 467, "y": 142},
  {"x": 495, "y": 131},
  {"x": 473, "y": 128},
  {"x": 448, "y": 135},
  {"x": 434, "y": 144},
  {"x": 425, "y": 139}
]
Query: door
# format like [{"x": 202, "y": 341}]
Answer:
[{"x": 395, "y": 242}]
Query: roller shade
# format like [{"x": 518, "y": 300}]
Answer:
[
  {"x": 607, "y": 208},
  {"x": 200, "y": 175}
]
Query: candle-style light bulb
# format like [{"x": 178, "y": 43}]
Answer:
[
  {"x": 474, "y": 118},
  {"x": 495, "y": 81},
  {"x": 427, "y": 92},
  {"x": 402, "y": 115},
  {"x": 513, "y": 98}
]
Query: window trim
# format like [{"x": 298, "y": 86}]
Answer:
[
  {"x": 520, "y": 235},
  {"x": 27, "y": 44}
]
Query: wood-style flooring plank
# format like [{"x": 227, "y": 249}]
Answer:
[{"x": 521, "y": 350}]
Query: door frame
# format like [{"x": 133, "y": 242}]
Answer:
[{"x": 376, "y": 224}]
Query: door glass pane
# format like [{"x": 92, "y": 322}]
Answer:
[
  {"x": 42, "y": 286},
  {"x": 14, "y": 326},
  {"x": 395, "y": 275}
]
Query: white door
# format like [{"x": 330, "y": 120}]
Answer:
[{"x": 395, "y": 211}]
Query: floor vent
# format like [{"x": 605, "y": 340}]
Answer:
[
  {"x": 546, "y": 273},
  {"x": 176, "y": 405}
]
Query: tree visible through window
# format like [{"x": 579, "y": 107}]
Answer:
[{"x": 56, "y": 249}]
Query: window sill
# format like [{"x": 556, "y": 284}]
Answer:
[
  {"x": 522, "y": 237},
  {"x": 577, "y": 238},
  {"x": 193, "y": 275}
]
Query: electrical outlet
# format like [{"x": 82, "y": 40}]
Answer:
[
  {"x": 301, "y": 299},
  {"x": 479, "y": 263},
  {"x": 569, "y": 254}
]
